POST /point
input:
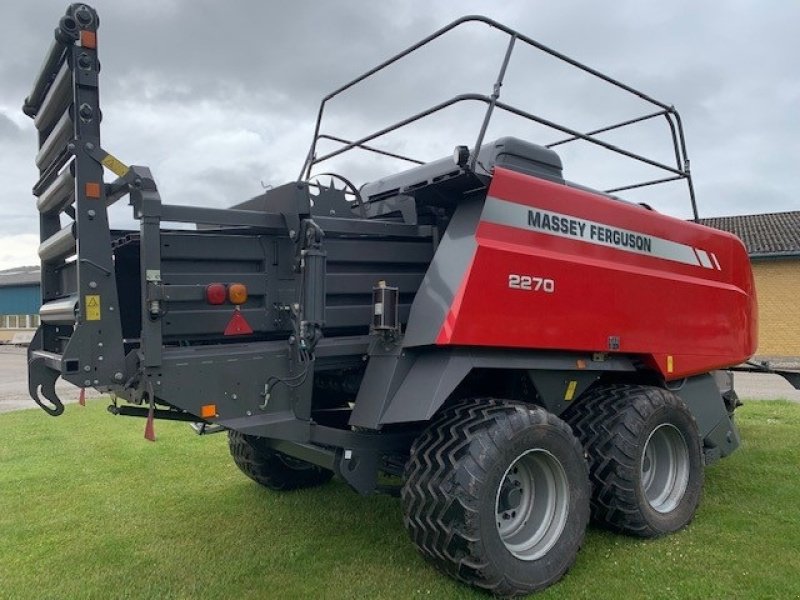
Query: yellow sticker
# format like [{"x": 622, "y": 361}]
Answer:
[
  {"x": 92, "y": 307},
  {"x": 115, "y": 166},
  {"x": 670, "y": 364},
  {"x": 570, "y": 393}
]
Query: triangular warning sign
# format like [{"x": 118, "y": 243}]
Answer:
[{"x": 238, "y": 325}]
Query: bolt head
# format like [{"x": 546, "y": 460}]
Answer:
[{"x": 86, "y": 112}]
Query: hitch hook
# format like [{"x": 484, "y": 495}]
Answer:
[{"x": 42, "y": 379}]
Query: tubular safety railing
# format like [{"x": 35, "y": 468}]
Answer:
[{"x": 679, "y": 171}]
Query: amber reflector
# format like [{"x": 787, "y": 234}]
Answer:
[{"x": 237, "y": 293}]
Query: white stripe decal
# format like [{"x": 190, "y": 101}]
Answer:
[
  {"x": 530, "y": 218},
  {"x": 704, "y": 260}
]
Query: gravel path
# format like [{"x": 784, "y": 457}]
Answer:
[
  {"x": 760, "y": 386},
  {"x": 14, "y": 382}
]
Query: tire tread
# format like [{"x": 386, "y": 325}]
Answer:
[
  {"x": 445, "y": 476},
  {"x": 269, "y": 468},
  {"x": 608, "y": 421}
]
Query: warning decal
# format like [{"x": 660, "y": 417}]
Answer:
[
  {"x": 92, "y": 307},
  {"x": 116, "y": 166}
]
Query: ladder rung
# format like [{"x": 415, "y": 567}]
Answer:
[
  {"x": 59, "y": 312},
  {"x": 58, "y": 194},
  {"x": 55, "y": 142},
  {"x": 57, "y": 99},
  {"x": 59, "y": 246}
]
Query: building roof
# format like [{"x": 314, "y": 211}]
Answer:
[
  {"x": 19, "y": 276},
  {"x": 765, "y": 235}
]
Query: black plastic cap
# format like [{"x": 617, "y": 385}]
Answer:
[
  {"x": 29, "y": 109},
  {"x": 67, "y": 31}
]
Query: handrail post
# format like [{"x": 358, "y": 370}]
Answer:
[{"x": 492, "y": 101}]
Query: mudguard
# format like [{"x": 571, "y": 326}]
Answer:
[{"x": 411, "y": 385}]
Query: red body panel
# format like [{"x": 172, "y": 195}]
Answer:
[{"x": 682, "y": 318}]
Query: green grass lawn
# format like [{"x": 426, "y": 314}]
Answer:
[{"x": 90, "y": 509}]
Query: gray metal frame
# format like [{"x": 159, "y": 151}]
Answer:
[
  {"x": 64, "y": 103},
  {"x": 125, "y": 312}
]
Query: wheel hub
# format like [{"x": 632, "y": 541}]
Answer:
[
  {"x": 665, "y": 468},
  {"x": 510, "y": 496},
  {"x": 532, "y": 504}
]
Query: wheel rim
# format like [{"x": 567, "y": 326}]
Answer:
[
  {"x": 531, "y": 504},
  {"x": 665, "y": 468}
]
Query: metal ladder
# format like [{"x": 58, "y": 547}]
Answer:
[{"x": 79, "y": 312}]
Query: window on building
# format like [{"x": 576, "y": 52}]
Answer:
[{"x": 19, "y": 321}]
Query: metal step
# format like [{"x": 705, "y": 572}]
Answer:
[{"x": 51, "y": 359}]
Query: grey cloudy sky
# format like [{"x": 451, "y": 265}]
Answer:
[{"x": 220, "y": 97}]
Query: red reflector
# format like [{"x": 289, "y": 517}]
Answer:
[
  {"x": 238, "y": 325},
  {"x": 216, "y": 293}
]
